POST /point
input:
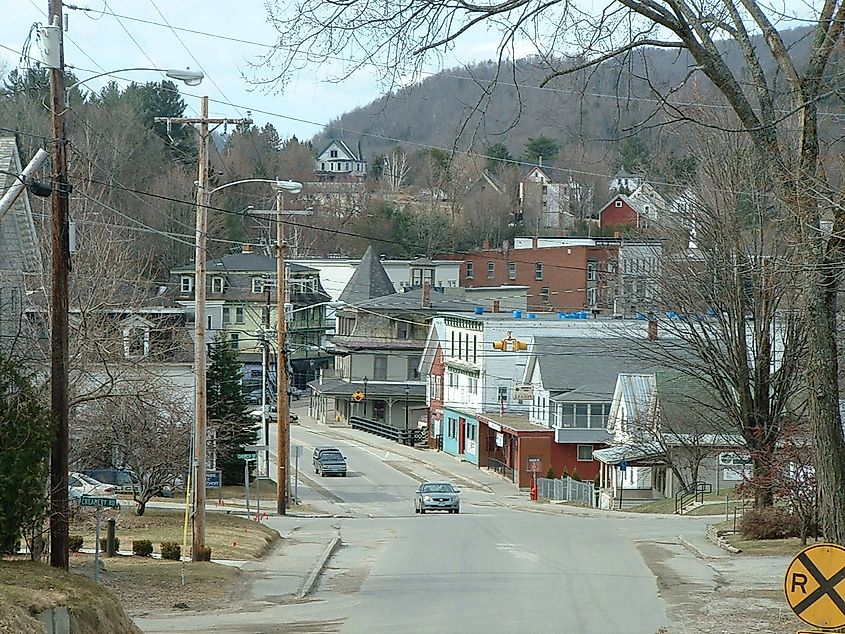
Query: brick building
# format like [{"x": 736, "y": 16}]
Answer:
[{"x": 571, "y": 277}]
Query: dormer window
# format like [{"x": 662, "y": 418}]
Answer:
[
  {"x": 217, "y": 285},
  {"x": 136, "y": 342},
  {"x": 187, "y": 283}
]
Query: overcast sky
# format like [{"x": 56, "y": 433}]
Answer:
[{"x": 97, "y": 41}]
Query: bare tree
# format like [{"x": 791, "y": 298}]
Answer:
[
  {"x": 147, "y": 433},
  {"x": 775, "y": 105}
]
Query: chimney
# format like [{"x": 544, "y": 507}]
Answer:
[
  {"x": 652, "y": 329},
  {"x": 496, "y": 305},
  {"x": 426, "y": 294},
  {"x": 247, "y": 248}
]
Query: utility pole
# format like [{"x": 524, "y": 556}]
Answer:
[
  {"x": 265, "y": 361},
  {"x": 198, "y": 548},
  {"x": 60, "y": 274},
  {"x": 282, "y": 428}
]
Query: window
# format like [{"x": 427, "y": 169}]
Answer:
[
  {"x": 347, "y": 167},
  {"x": 591, "y": 271},
  {"x": 567, "y": 415},
  {"x": 585, "y": 453},
  {"x": 466, "y": 346},
  {"x": 471, "y": 432},
  {"x": 591, "y": 297},
  {"x": 209, "y": 322},
  {"x": 491, "y": 270},
  {"x": 453, "y": 379},
  {"x": 453, "y": 343},
  {"x": 501, "y": 393},
  {"x": 257, "y": 285},
  {"x": 598, "y": 415},
  {"x": 322, "y": 167},
  {"x": 581, "y": 415},
  {"x": 470, "y": 270},
  {"x": 187, "y": 283},
  {"x": 544, "y": 294},
  {"x": 618, "y": 203},
  {"x": 217, "y": 285},
  {"x": 403, "y": 330},
  {"x": 227, "y": 314},
  {"x": 452, "y": 428},
  {"x": 380, "y": 367},
  {"x": 333, "y": 154},
  {"x": 511, "y": 270},
  {"x": 233, "y": 340},
  {"x": 413, "y": 368},
  {"x": 538, "y": 271},
  {"x": 136, "y": 342},
  {"x": 239, "y": 315},
  {"x": 473, "y": 385},
  {"x": 474, "y": 348}
]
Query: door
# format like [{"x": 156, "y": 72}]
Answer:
[{"x": 462, "y": 435}]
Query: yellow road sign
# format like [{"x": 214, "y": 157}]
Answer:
[
  {"x": 357, "y": 395},
  {"x": 815, "y": 585}
]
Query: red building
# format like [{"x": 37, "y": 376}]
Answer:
[
  {"x": 571, "y": 277},
  {"x": 433, "y": 368}
]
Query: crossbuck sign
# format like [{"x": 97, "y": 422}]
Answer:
[{"x": 815, "y": 585}]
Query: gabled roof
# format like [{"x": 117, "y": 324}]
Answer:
[
  {"x": 634, "y": 392},
  {"x": 245, "y": 263},
  {"x": 369, "y": 281},
  {"x": 436, "y": 340},
  {"x": 18, "y": 237},
  {"x": 342, "y": 147}
]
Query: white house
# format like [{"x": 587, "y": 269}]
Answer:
[{"x": 339, "y": 163}]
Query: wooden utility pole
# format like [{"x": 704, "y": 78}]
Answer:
[
  {"x": 198, "y": 548},
  {"x": 282, "y": 428},
  {"x": 60, "y": 274}
]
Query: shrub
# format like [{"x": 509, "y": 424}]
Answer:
[
  {"x": 75, "y": 543},
  {"x": 202, "y": 554},
  {"x": 104, "y": 543},
  {"x": 574, "y": 475},
  {"x": 172, "y": 551},
  {"x": 142, "y": 547},
  {"x": 769, "y": 523},
  {"x": 550, "y": 474}
]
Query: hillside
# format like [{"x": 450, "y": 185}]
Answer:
[{"x": 591, "y": 115}]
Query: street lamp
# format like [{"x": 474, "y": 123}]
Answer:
[
  {"x": 407, "y": 392},
  {"x": 187, "y": 76}
]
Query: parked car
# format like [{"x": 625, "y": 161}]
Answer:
[
  {"x": 122, "y": 480},
  {"x": 79, "y": 484},
  {"x": 437, "y": 496},
  {"x": 329, "y": 461},
  {"x": 295, "y": 392},
  {"x": 317, "y": 452}
]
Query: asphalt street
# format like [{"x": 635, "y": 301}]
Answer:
[{"x": 496, "y": 567}]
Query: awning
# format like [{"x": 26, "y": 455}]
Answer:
[{"x": 649, "y": 452}]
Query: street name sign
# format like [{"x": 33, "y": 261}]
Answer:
[
  {"x": 815, "y": 585},
  {"x": 246, "y": 456},
  {"x": 96, "y": 501}
]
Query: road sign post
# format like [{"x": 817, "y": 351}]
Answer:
[
  {"x": 815, "y": 585},
  {"x": 623, "y": 467},
  {"x": 98, "y": 503},
  {"x": 297, "y": 454}
]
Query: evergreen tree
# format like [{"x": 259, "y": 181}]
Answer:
[
  {"x": 228, "y": 413},
  {"x": 541, "y": 147},
  {"x": 24, "y": 453},
  {"x": 498, "y": 156}
]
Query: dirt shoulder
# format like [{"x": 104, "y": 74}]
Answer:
[{"x": 28, "y": 588}]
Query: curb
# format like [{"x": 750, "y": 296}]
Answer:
[{"x": 311, "y": 581}]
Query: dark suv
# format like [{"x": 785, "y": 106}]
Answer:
[{"x": 329, "y": 461}]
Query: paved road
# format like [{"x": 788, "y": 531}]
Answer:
[{"x": 493, "y": 568}]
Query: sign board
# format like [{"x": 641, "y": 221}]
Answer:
[
  {"x": 245, "y": 456},
  {"x": 471, "y": 447},
  {"x": 357, "y": 396},
  {"x": 523, "y": 392},
  {"x": 500, "y": 439},
  {"x": 534, "y": 464},
  {"x": 623, "y": 466},
  {"x": 213, "y": 479},
  {"x": 257, "y": 447},
  {"x": 86, "y": 500},
  {"x": 297, "y": 451},
  {"x": 815, "y": 585}
]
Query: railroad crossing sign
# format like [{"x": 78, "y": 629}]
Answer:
[
  {"x": 357, "y": 396},
  {"x": 815, "y": 585}
]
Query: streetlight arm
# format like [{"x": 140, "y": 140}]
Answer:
[
  {"x": 291, "y": 186},
  {"x": 190, "y": 77}
]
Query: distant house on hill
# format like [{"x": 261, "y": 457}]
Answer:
[
  {"x": 545, "y": 205},
  {"x": 625, "y": 182},
  {"x": 338, "y": 163}
]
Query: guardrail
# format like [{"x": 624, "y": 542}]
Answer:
[
  {"x": 377, "y": 428},
  {"x": 501, "y": 468}
]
